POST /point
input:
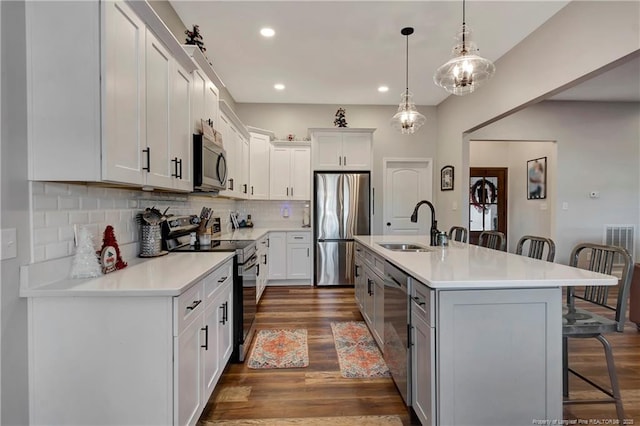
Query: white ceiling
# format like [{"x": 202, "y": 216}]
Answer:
[{"x": 339, "y": 52}]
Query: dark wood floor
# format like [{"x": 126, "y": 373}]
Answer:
[{"x": 319, "y": 395}]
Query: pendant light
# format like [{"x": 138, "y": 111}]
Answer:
[
  {"x": 407, "y": 119},
  {"x": 465, "y": 71}
]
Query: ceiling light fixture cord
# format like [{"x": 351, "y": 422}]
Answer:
[{"x": 407, "y": 65}]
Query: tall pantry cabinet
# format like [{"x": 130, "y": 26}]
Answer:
[{"x": 108, "y": 106}]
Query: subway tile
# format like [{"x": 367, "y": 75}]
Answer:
[
  {"x": 56, "y": 250},
  {"x": 68, "y": 203},
  {"x": 106, "y": 203},
  {"x": 65, "y": 233},
  {"x": 78, "y": 190},
  {"x": 55, "y": 218},
  {"x": 54, "y": 188},
  {"x": 88, "y": 203},
  {"x": 120, "y": 203},
  {"x": 95, "y": 191},
  {"x": 78, "y": 218},
  {"x": 45, "y": 202},
  {"x": 97, "y": 217},
  {"x": 38, "y": 254},
  {"x": 112, "y": 217},
  {"x": 38, "y": 220},
  {"x": 42, "y": 236}
]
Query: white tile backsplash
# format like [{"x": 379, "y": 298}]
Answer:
[{"x": 57, "y": 207}]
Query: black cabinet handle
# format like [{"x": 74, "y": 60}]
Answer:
[
  {"x": 258, "y": 270},
  {"x": 147, "y": 150},
  {"x": 245, "y": 188},
  {"x": 340, "y": 160},
  {"x": 224, "y": 319},
  {"x": 356, "y": 273},
  {"x": 180, "y": 161},
  {"x": 345, "y": 160},
  {"x": 251, "y": 189},
  {"x": 287, "y": 191},
  {"x": 418, "y": 301},
  {"x": 226, "y": 312},
  {"x": 175, "y": 167},
  {"x": 223, "y": 279},
  {"x": 292, "y": 191},
  {"x": 369, "y": 289},
  {"x": 194, "y": 305},
  {"x": 265, "y": 259},
  {"x": 230, "y": 184},
  {"x": 206, "y": 338}
]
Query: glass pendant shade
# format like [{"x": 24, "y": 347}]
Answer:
[
  {"x": 465, "y": 71},
  {"x": 407, "y": 120}
]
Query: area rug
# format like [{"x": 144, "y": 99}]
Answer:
[
  {"x": 358, "y": 354},
  {"x": 280, "y": 349}
]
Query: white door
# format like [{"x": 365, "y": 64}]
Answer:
[
  {"x": 407, "y": 181},
  {"x": 300, "y": 173}
]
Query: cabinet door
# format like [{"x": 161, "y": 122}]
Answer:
[
  {"x": 369, "y": 289},
  {"x": 378, "y": 310},
  {"x": 158, "y": 77},
  {"x": 181, "y": 129},
  {"x": 225, "y": 331},
  {"x": 198, "y": 100},
  {"x": 244, "y": 167},
  {"x": 298, "y": 261},
  {"x": 356, "y": 151},
  {"x": 228, "y": 141},
  {"x": 327, "y": 151},
  {"x": 211, "y": 103},
  {"x": 259, "y": 166},
  {"x": 423, "y": 369},
  {"x": 300, "y": 173},
  {"x": 279, "y": 159},
  {"x": 124, "y": 128},
  {"x": 211, "y": 357},
  {"x": 359, "y": 280},
  {"x": 188, "y": 374},
  {"x": 277, "y": 255}
]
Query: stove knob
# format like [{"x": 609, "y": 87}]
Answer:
[
  {"x": 174, "y": 223},
  {"x": 195, "y": 220}
]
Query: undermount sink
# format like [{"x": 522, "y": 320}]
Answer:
[{"x": 404, "y": 247}]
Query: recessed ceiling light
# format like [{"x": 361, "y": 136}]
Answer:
[
  {"x": 383, "y": 89},
  {"x": 278, "y": 86},
  {"x": 267, "y": 32}
]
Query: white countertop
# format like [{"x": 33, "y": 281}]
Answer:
[
  {"x": 468, "y": 266},
  {"x": 168, "y": 275}
]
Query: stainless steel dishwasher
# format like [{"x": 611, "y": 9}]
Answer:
[{"x": 396, "y": 329}]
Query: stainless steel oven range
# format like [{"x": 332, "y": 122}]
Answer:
[{"x": 176, "y": 238}]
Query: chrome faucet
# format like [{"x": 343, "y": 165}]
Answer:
[{"x": 434, "y": 222}]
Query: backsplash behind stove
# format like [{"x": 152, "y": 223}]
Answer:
[{"x": 57, "y": 207}]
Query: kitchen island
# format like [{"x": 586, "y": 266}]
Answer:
[{"x": 486, "y": 330}]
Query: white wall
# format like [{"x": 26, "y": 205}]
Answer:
[
  {"x": 525, "y": 217},
  {"x": 284, "y": 119},
  {"x": 574, "y": 44},
  {"x": 597, "y": 150}
]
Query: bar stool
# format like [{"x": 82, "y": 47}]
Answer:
[
  {"x": 581, "y": 323},
  {"x": 537, "y": 246},
  {"x": 493, "y": 240},
  {"x": 458, "y": 233}
]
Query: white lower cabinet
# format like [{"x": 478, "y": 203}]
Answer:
[
  {"x": 157, "y": 359},
  {"x": 290, "y": 255},
  {"x": 262, "y": 272}
]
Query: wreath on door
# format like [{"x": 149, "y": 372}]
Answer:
[{"x": 481, "y": 192}]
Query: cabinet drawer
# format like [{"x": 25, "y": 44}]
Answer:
[
  {"x": 187, "y": 306},
  {"x": 422, "y": 298},
  {"x": 375, "y": 262},
  {"x": 214, "y": 281},
  {"x": 298, "y": 237}
]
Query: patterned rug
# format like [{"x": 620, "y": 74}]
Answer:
[
  {"x": 280, "y": 349},
  {"x": 358, "y": 354}
]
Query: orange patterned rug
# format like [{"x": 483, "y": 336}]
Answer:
[
  {"x": 358, "y": 354},
  {"x": 280, "y": 349}
]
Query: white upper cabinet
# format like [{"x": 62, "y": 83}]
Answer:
[
  {"x": 110, "y": 118},
  {"x": 235, "y": 139},
  {"x": 204, "y": 104},
  {"x": 259, "y": 144},
  {"x": 181, "y": 153},
  {"x": 290, "y": 176},
  {"x": 342, "y": 149}
]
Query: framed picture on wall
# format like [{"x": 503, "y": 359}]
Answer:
[
  {"x": 446, "y": 178},
  {"x": 537, "y": 179}
]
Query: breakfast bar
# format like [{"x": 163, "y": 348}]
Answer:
[{"x": 486, "y": 330}]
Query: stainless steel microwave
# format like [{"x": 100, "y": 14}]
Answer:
[{"x": 209, "y": 165}]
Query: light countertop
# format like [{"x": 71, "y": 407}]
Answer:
[
  {"x": 460, "y": 266},
  {"x": 168, "y": 275}
]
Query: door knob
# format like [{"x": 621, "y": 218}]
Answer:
[{"x": 388, "y": 223}]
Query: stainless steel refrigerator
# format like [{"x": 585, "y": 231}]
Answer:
[{"x": 341, "y": 210}]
